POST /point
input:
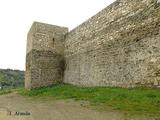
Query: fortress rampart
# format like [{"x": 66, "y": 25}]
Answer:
[{"x": 119, "y": 46}]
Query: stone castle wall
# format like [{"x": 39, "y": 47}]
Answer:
[
  {"x": 44, "y": 60},
  {"x": 119, "y": 46}
]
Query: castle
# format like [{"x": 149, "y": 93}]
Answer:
[{"x": 118, "y": 47}]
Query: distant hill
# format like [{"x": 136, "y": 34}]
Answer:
[{"x": 11, "y": 78}]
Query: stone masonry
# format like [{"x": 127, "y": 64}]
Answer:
[
  {"x": 119, "y": 46},
  {"x": 45, "y": 57}
]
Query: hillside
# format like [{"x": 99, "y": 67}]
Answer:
[{"x": 11, "y": 78}]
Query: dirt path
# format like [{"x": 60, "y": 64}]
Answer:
[{"x": 16, "y": 107}]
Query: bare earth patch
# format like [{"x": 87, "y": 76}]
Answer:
[{"x": 16, "y": 107}]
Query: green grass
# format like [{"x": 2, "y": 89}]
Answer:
[
  {"x": 10, "y": 90},
  {"x": 135, "y": 100},
  {"x": 2, "y": 92}
]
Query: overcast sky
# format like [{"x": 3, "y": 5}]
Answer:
[{"x": 16, "y": 17}]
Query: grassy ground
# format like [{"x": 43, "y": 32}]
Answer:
[
  {"x": 10, "y": 90},
  {"x": 4, "y": 92},
  {"x": 135, "y": 100}
]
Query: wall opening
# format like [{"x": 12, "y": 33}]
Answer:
[{"x": 53, "y": 40}]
